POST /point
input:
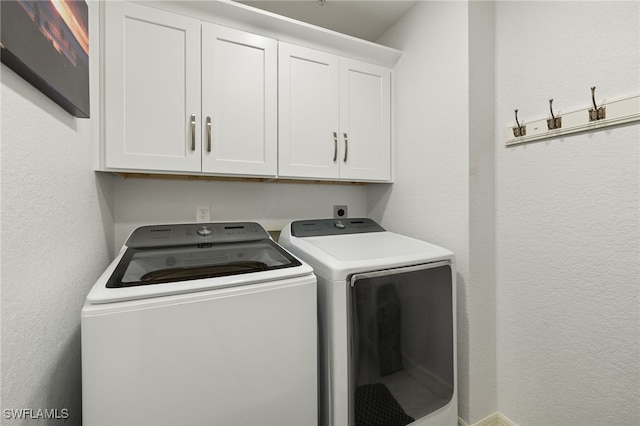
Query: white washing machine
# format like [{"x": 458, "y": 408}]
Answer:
[
  {"x": 201, "y": 324},
  {"x": 387, "y": 323}
]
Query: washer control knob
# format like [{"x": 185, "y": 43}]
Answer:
[
  {"x": 204, "y": 231},
  {"x": 339, "y": 225}
]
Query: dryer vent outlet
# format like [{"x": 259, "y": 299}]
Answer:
[{"x": 339, "y": 212}]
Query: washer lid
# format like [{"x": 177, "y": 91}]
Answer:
[
  {"x": 175, "y": 259},
  {"x": 193, "y": 262}
]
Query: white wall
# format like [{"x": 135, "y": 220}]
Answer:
[
  {"x": 147, "y": 201},
  {"x": 57, "y": 237},
  {"x": 434, "y": 195},
  {"x": 568, "y": 218},
  {"x": 481, "y": 289}
]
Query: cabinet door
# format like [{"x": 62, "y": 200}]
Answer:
[
  {"x": 365, "y": 121},
  {"x": 239, "y": 102},
  {"x": 309, "y": 115},
  {"x": 152, "y": 89}
]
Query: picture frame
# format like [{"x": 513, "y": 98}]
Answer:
[{"x": 46, "y": 42}]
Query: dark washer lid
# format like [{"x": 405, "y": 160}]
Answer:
[
  {"x": 184, "y": 252},
  {"x": 319, "y": 227}
]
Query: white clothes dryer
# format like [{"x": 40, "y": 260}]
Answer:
[
  {"x": 387, "y": 308},
  {"x": 201, "y": 324}
]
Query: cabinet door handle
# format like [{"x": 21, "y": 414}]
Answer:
[
  {"x": 208, "y": 134},
  {"x": 335, "y": 146},
  {"x": 193, "y": 132},
  {"x": 346, "y": 147}
]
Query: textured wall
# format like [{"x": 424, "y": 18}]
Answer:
[
  {"x": 144, "y": 201},
  {"x": 480, "y": 295},
  {"x": 567, "y": 219},
  {"x": 56, "y": 240},
  {"x": 433, "y": 195}
]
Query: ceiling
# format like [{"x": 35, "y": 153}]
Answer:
[{"x": 365, "y": 19}]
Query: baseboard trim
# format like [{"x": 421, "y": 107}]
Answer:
[{"x": 496, "y": 419}]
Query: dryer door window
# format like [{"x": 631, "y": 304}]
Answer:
[{"x": 401, "y": 325}]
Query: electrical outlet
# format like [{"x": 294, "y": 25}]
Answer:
[
  {"x": 339, "y": 212},
  {"x": 203, "y": 214}
]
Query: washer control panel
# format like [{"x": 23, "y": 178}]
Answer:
[
  {"x": 319, "y": 227},
  {"x": 195, "y": 233}
]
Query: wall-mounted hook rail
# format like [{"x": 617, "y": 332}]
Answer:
[
  {"x": 618, "y": 111},
  {"x": 519, "y": 130},
  {"x": 596, "y": 113},
  {"x": 553, "y": 122}
]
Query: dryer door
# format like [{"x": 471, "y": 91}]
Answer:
[{"x": 402, "y": 340}]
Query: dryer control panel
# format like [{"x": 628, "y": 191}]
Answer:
[
  {"x": 195, "y": 233},
  {"x": 319, "y": 227}
]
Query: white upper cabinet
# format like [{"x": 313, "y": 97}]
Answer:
[
  {"x": 152, "y": 89},
  {"x": 174, "y": 104},
  {"x": 334, "y": 117},
  {"x": 186, "y": 96},
  {"x": 309, "y": 112},
  {"x": 365, "y": 121},
  {"x": 239, "y": 102}
]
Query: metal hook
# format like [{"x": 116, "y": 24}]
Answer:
[
  {"x": 520, "y": 130},
  {"x": 595, "y": 113},
  {"x": 553, "y": 122}
]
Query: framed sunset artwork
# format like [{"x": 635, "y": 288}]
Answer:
[{"x": 46, "y": 42}]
